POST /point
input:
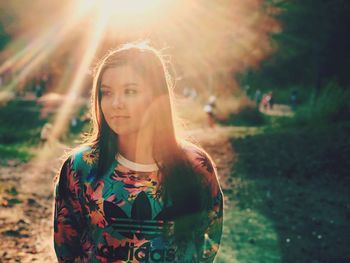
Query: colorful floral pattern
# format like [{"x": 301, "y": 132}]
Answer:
[
  {"x": 90, "y": 157},
  {"x": 94, "y": 203},
  {"x": 135, "y": 183},
  {"x": 121, "y": 217}
]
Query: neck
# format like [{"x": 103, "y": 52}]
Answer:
[{"x": 136, "y": 147}]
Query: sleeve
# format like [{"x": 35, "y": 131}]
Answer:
[
  {"x": 213, "y": 228},
  {"x": 68, "y": 225}
]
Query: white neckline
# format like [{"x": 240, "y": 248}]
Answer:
[{"x": 136, "y": 166}]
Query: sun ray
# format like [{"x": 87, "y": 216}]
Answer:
[
  {"x": 27, "y": 59},
  {"x": 68, "y": 107},
  {"x": 199, "y": 33},
  {"x": 74, "y": 92}
]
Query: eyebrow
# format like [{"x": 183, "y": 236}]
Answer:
[{"x": 126, "y": 85}]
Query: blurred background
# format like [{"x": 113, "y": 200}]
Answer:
[{"x": 262, "y": 85}]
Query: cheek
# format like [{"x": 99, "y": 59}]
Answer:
[
  {"x": 145, "y": 108},
  {"x": 104, "y": 106},
  {"x": 105, "y": 110},
  {"x": 147, "y": 111}
]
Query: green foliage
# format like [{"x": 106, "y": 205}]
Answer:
[
  {"x": 14, "y": 152},
  {"x": 20, "y": 122},
  {"x": 312, "y": 48},
  {"x": 19, "y": 130},
  {"x": 330, "y": 106},
  {"x": 247, "y": 115}
]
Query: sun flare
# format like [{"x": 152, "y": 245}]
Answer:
[
  {"x": 130, "y": 11},
  {"x": 130, "y": 6},
  {"x": 210, "y": 41}
]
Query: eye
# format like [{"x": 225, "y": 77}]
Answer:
[
  {"x": 130, "y": 91},
  {"x": 105, "y": 92}
]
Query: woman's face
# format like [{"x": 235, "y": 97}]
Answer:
[{"x": 126, "y": 99}]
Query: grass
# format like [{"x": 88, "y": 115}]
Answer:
[
  {"x": 245, "y": 116},
  {"x": 290, "y": 199},
  {"x": 15, "y": 151},
  {"x": 330, "y": 106},
  {"x": 20, "y": 130}
]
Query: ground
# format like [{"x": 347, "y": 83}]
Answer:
[
  {"x": 26, "y": 210},
  {"x": 286, "y": 195}
]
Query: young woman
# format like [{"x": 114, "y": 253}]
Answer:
[{"x": 134, "y": 192}]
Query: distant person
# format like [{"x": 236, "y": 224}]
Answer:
[
  {"x": 265, "y": 101},
  {"x": 271, "y": 100},
  {"x": 294, "y": 99},
  {"x": 209, "y": 110},
  {"x": 38, "y": 90},
  {"x": 193, "y": 93},
  {"x": 186, "y": 92},
  {"x": 189, "y": 93},
  {"x": 257, "y": 97},
  {"x": 45, "y": 133},
  {"x": 74, "y": 124},
  {"x": 134, "y": 192},
  {"x": 43, "y": 81}
]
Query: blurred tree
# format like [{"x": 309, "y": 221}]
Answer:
[{"x": 312, "y": 49}]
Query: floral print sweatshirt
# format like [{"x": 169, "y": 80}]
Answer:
[{"x": 120, "y": 218}]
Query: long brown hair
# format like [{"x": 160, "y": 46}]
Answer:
[{"x": 181, "y": 185}]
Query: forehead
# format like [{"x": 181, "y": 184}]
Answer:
[{"x": 120, "y": 75}]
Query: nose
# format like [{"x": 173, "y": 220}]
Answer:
[{"x": 118, "y": 102}]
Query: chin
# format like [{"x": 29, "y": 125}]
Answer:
[{"x": 124, "y": 131}]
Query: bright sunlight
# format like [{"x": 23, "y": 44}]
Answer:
[
  {"x": 127, "y": 13},
  {"x": 263, "y": 86}
]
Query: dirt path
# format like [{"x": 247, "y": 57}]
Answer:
[
  {"x": 26, "y": 197},
  {"x": 278, "y": 110}
]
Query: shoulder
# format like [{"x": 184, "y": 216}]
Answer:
[
  {"x": 84, "y": 155},
  {"x": 75, "y": 169},
  {"x": 203, "y": 164},
  {"x": 198, "y": 157},
  {"x": 81, "y": 159}
]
